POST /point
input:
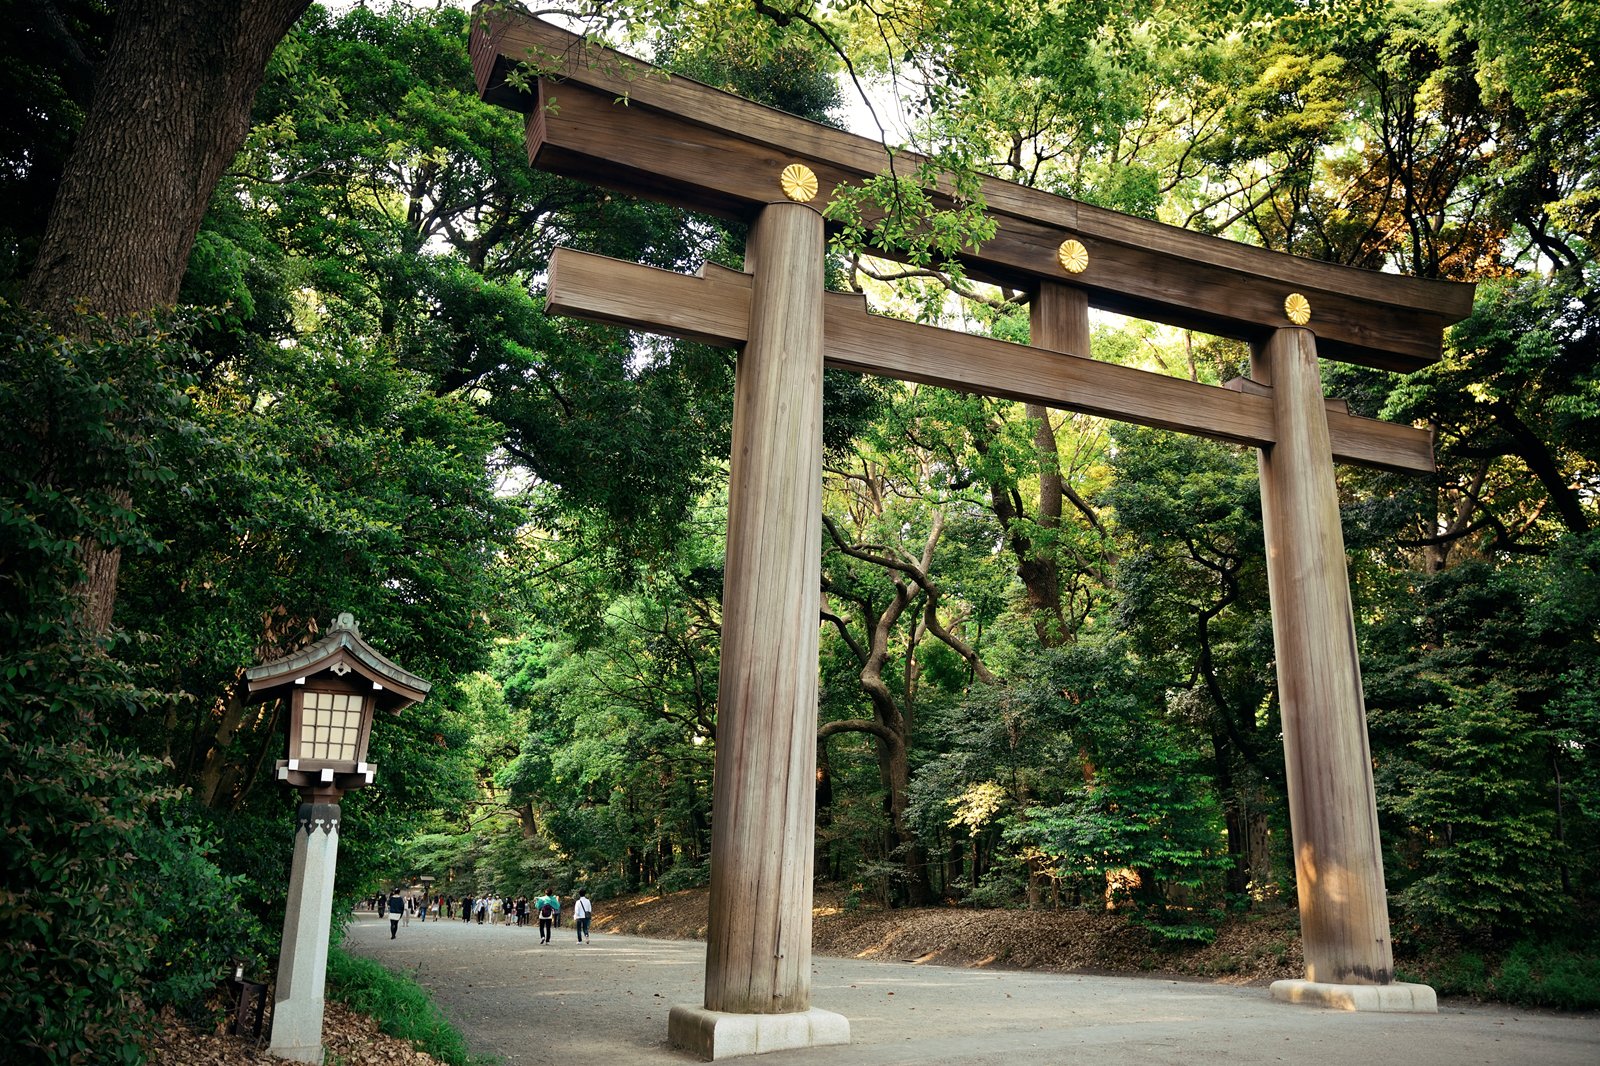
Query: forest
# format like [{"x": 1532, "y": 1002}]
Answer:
[{"x": 275, "y": 349}]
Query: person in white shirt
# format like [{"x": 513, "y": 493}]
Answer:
[{"x": 581, "y": 910}]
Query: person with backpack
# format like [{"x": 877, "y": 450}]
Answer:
[{"x": 547, "y": 914}]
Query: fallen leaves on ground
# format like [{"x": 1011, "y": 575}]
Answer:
[
  {"x": 1256, "y": 949},
  {"x": 350, "y": 1038}
]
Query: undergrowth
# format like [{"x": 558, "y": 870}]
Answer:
[{"x": 1531, "y": 973}]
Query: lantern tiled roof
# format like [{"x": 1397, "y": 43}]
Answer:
[{"x": 343, "y": 645}]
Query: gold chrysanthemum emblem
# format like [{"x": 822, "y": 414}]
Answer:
[
  {"x": 1298, "y": 308},
  {"x": 1073, "y": 256},
  {"x": 799, "y": 184}
]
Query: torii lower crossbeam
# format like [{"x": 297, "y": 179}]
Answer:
[{"x": 714, "y": 308}]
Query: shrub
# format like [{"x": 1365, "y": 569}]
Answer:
[
  {"x": 1544, "y": 975},
  {"x": 1561, "y": 974},
  {"x": 73, "y": 941},
  {"x": 196, "y": 912},
  {"x": 997, "y": 888},
  {"x": 83, "y": 869},
  {"x": 683, "y": 875},
  {"x": 1469, "y": 786},
  {"x": 1460, "y": 974}
]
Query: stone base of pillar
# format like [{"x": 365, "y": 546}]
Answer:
[
  {"x": 1397, "y": 998},
  {"x": 712, "y": 1035},
  {"x": 292, "y": 1050},
  {"x": 297, "y": 1031}
]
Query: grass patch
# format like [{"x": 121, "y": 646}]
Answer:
[{"x": 400, "y": 1007}]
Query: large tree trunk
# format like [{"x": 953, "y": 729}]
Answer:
[{"x": 171, "y": 106}]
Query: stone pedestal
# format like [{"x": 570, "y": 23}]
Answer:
[
  {"x": 1395, "y": 998},
  {"x": 303, "y": 962},
  {"x": 712, "y": 1034}
]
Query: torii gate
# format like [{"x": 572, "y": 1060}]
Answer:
[{"x": 687, "y": 144}]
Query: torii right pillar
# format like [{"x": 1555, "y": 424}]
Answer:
[{"x": 1333, "y": 813}]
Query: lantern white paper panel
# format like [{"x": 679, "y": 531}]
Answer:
[{"x": 331, "y": 726}]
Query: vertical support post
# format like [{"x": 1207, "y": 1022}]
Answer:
[
  {"x": 1058, "y": 318},
  {"x": 758, "y": 955},
  {"x": 297, "y": 1001},
  {"x": 758, "y": 941},
  {"x": 1344, "y": 917}
]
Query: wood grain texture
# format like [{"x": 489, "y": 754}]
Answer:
[
  {"x": 611, "y": 119},
  {"x": 758, "y": 942},
  {"x": 1344, "y": 918},
  {"x": 714, "y": 307},
  {"x": 1058, "y": 318}
]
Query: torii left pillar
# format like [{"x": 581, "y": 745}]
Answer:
[{"x": 758, "y": 941}]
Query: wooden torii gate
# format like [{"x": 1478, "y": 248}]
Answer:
[{"x": 603, "y": 117}]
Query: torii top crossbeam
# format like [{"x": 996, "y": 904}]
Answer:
[{"x": 679, "y": 141}]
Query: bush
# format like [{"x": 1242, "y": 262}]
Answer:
[
  {"x": 73, "y": 935},
  {"x": 195, "y": 911},
  {"x": 91, "y": 890},
  {"x": 109, "y": 906},
  {"x": 997, "y": 888},
  {"x": 1463, "y": 974},
  {"x": 1562, "y": 975},
  {"x": 1543, "y": 975},
  {"x": 1470, "y": 787},
  {"x": 684, "y": 875}
]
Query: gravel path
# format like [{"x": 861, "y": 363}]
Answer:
[{"x": 605, "y": 1004}]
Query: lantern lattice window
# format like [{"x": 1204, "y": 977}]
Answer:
[{"x": 331, "y": 726}]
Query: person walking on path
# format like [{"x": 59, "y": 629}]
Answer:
[
  {"x": 397, "y": 910},
  {"x": 547, "y": 913},
  {"x": 581, "y": 909}
]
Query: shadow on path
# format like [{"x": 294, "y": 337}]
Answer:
[{"x": 605, "y": 1004}]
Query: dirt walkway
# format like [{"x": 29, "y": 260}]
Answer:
[{"x": 606, "y": 1004}]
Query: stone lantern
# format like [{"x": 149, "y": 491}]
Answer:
[{"x": 334, "y": 687}]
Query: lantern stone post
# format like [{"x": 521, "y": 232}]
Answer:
[{"x": 333, "y": 688}]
